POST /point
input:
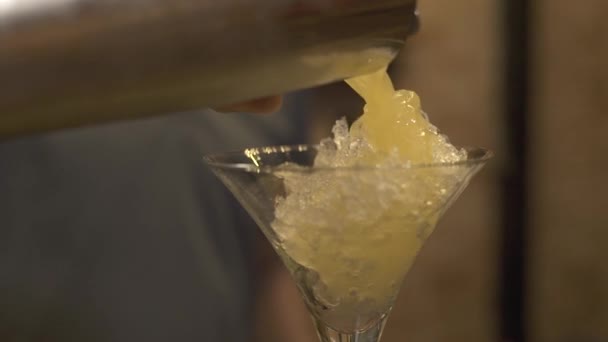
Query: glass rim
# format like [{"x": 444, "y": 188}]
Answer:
[{"x": 479, "y": 155}]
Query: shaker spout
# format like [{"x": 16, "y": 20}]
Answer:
[{"x": 69, "y": 63}]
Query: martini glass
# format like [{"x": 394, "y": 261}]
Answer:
[{"x": 348, "y": 235}]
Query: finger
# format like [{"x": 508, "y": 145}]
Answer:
[{"x": 264, "y": 105}]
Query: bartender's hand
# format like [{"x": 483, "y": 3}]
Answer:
[{"x": 261, "y": 106}]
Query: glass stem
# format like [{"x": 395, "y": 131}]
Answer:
[{"x": 371, "y": 334}]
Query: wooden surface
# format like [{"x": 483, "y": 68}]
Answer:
[{"x": 568, "y": 293}]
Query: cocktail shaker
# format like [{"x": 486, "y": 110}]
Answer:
[{"x": 69, "y": 63}]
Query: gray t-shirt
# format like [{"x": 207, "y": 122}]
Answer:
[{"x": 120, "y": 233}]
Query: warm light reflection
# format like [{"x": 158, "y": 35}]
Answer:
[
  {"x": 6, "y": 4},
  {"x": 20, "y": 7}
]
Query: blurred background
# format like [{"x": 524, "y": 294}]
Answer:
[{"x": 521, "y": 256}]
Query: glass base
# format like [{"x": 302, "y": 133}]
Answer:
[{"x": 372, "y": 334}]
